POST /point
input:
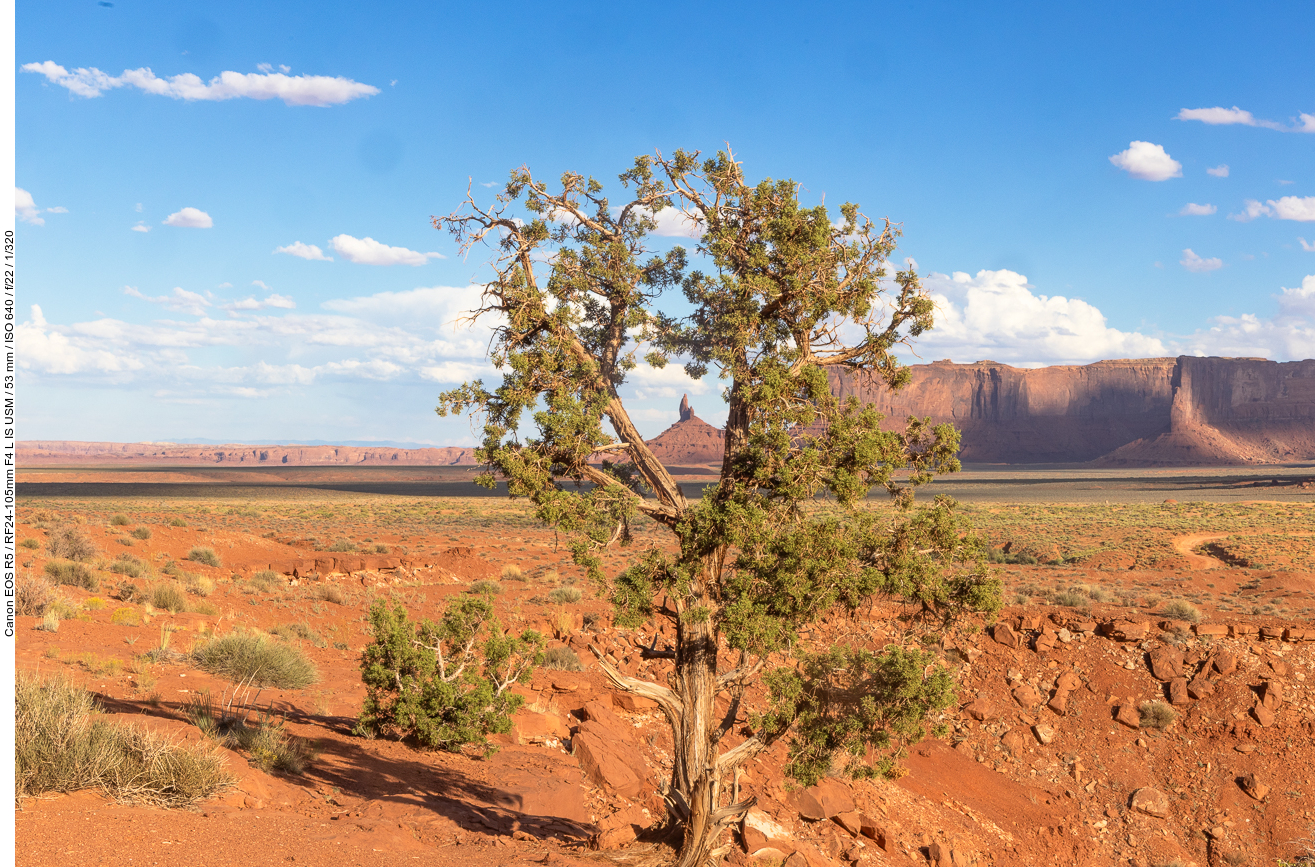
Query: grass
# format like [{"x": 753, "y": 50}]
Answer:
[
  {"x": 142, "y": 533},
  {"x": 127, "y": 564},
  {"x": 487, "y": 588},
  {"x": 266, "y": 581},
  {"x": 329, "y": 593},
  {"x": 64, "y": 743},
  {"x": 30, "y": 544},
  {"x": 562, "y": 659},
  {"x": 564, "y": 595},
  {"x": 204, "y": 554},
  {"x": 1181, "y": 609},
  {"x": 267, "y": 742},
  {"x": 119, "y": 520},
  {"x": 342, "y": 546},
  {"x": 302, "y": 631},
  {"x": 68, "y": 543},
  {"x": 257, "y": 660},
  {"x": 513, "y": 573},
  {"x": 167, "y": 597},
  {"x": 1157, "y": 715},
  {"x": 72, "y": 573}
]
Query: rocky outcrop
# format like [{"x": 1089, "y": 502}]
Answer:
[
  {"x": 690, "y": 441},
  {"x": 1137, "y": 412}
]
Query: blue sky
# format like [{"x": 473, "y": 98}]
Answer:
[{"x": 1051, "y": 167}]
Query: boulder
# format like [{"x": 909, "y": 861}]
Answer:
[
  {"x": 1128, "y": 630},
  {"x": 1253, "y": 787},
  {"x": 824, "y": 800},
  {"x": 1005, "y": 634},
  {"x": 1271, "y": 694},
  {"x": 604, "y": 765},
  {"x": 1026, "y": 695},
  {"x": 1263, "y": 715},
  {"x": 1224, "y": 662},
  {"x": 1068, "y": 681},
  {"x": 760, "y": 832},
  {"x": 1012, "y": 740},
  {"x": 1271, "y": 632},
  {"x": 1151, "y": 802},
  {"x": 874, "y": 832},
  {"x": 850, "y": 821},
  {"x": 634, "y": 703},
  {"x": 1044, "y": 642},
  {"x": 1128, "y": 715},
  {"x": 980, "y": 708},
  {"x": 1212, "y": 630},
  {"x": 620, "y": 828},
  {"x": 1199, "y": 687},
  {"x": 1165, "y": 663},
  {"x": 1059, "y": 702},
  {"x": 529, "y": 727},
  {"x": 1045, "y": 733},
  {"x": 1178, "y": 691}
]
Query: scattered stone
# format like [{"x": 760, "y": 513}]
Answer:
[
  {"x": 1166, "y": 663},
  {"x": 1151, "y": 802},
  {"x": 1059, "y": 702},
  {"x": 1199, "y": 687},
  {"x": 980, "y": 709},
  {"x": 1027, "y": 696},
  {"x": 1271, "y": 632},
  {"x": 1253, "y": 787},
  {"x": 1064, "y": 635},
  {"x": 633, "y": 703},
  {"x": 620, "y": 828},
  {"x": 1278, "y": 666},
  {"x": 873, "y": 831},
  {"x": 850, "y": 821},
  {"x": 1225, "y": 662},
  {"x": 1129, "y": 716},
  {"x": 1012, "y": 740},
  {"x": 1044, "y": 642},
  {"x": 1005, "y": 634},
  {"x": 760, "y": 832},
  {"x": 1263, "y": 715},
  {"x": 1044, "y": 732},
  {"x": 1068, "y": 681},
  {"x": 1271, "y": 694},
  {"x": 824, "y": 800},
  {"x": 1178, "y": 691},
  {"x": 1128, "y": 630}
]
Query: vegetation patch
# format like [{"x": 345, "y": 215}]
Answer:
[
  {"x": 258, "y": 660},
  {"x": 68, "y": 543},
  {"x": 203, "y": 554},
  {"x": 73, "y": 573}
]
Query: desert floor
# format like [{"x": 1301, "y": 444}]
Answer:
[{"x": 1103, "y": 571}]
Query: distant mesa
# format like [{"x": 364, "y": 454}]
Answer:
[{"x": 1148, "y": 412}]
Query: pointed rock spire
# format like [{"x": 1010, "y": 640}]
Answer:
[{"x": 686, "y": 411}]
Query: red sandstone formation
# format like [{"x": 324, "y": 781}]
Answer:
[{"x": 690, "y": 441}]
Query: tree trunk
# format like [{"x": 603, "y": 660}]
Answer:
[{"x": 694, "y": 774}]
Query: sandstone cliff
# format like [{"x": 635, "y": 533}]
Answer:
[{"x": 690, "y": 441}]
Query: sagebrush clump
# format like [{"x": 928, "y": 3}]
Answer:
[{"x": 258, "y": 660}]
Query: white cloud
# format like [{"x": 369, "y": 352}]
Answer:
[
  {"x": 1192, "y": 209},
  {"x": 368, "y": 251},
  {"x": 1307, "y": 122},
  {"x": 316, "y": 90},
  {"x": 1148, "y": 161},
  {"x": 1288, "y": 335},
  {"x": 281, "y": 301},
  {"x": 189, "y": 218},
  {"x": 675, "y": 223},
  {"x": 138, "y": 209},
  {"x": 1307, "y": 245},
  {"x": 57, "y": 210},
  {"x": 667, "y": 383},
  {"x": 181, "y": 301},
  {"x": 1218, "y": 116},
  {"x": 26, "y": 209},
  {"x": 304, "y": 251},
  {"x": 996, "y": 315},
  {"x": 1219, "y": 171},
  {"x": 141, "y": 227},
  {"x": 1194, "y": 263},
  {"x": 1297, "y": 208}
]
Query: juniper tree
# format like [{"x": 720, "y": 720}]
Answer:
[{"x": 778, "y": 296}]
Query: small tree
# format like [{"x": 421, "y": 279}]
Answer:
[
  {"x": 447, "y": 683},
  {"x": 787, "y": 296}
]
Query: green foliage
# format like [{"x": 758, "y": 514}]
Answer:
[
  {"x": 68, "y": 543},
  {"x": 127, "y": 564},
  {"x": 447, "y": 683},
  {"x": 177, "y": 522},
  {"x": 203, "y": 554},
  {"x": 252, "y": 659},
  {"x": 73, "y": 573},
  {"x": 848, "y": 701},
  {"x": 342, "y": 546}
]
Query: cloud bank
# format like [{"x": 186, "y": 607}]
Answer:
[
  {"x": 1298, "y": 208},
  {"x": 315, "y": 90}
]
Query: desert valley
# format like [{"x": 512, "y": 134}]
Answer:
[{"x": 1146, "y": 697}]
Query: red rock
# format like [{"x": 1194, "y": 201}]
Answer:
[
  {"x": 1129, "y": 716},
  {"x": 1253, "y": 787},
  {"x": 1128, "y": 630},
  {"x": 529, "y": 727},
  {"x": 1242, "y": 630},
  {"x": 1178, "y": 691},
  {"x": 980, "y": 708},
  {"x": 1271, "y": 694},
  {"x": 1045, "y": 642},
  {"x": 1224, "y": 662},
  {"x": 1213, "y": 630},
  {"x": 1200, "y": 687},
  {"x": 603, "y": 765},
  {"x": 824, "y": 800},
  {"x": 874, "y": 832},
  {"x": 1166, "y": 663},
  {"x": 1005, "y": 634},
  {"x": 850, "y": 821},
  {"x": 602, "y": 714},
  {"x": 1012, "y": 740},
  {"x": 760, "y": 832},
  {"x": 1026, "y": 695},
  {"x": 1068, "y": 681},
  {"x": 633, "y": 703},
  {"x": 1151, "y": 802},
  {"x": 1271, "y": 632},
  {"x": 1263, "y": 715},
  {"x": 1291, "y": 634},
  {"x": 1059, "y": 702}
]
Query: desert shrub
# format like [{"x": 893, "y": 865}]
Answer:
[
  {"x": 197, "y": 585},
  {"x": 380, "y": 548},
  {"x": 30, "y": 544},
  {"x": 1181, "y": 609},
  {"x": 63, "y": 743},
  {"x": 95, "y": 603},
  {"x": 1100, "y": 594},
  {"x": 267, "y": 580},
  {"x": 68, "y": 543},
  {"x": 257, "y": 660},
  {"x": 118, "y": 519},
  {"x": 33, "y": 594},
  {"x": 167, "y": 597},
  {"x": 511, "y": 572},
  {"x": 1157, "y": 714},
  {"x": 299, "y": 630},
  {"x": 1072, "y": 598},
  {"x": 72, "y": 573},
  {"x": 49, "y": 622},
  {"x": 124, "y": 540},
  {"x": 126, "y": 564},
  {"x": 999, "y": 555},
  {"x": 449, "y": 699},
  {"x": 125, "y": 617},
  {"x": 330, "y": 593},
  {"x": 270, "y": 746},
  {"x": 203, "y": 554},
  {"x": 486, "y": 588},
  {"x": 203, "y": 607},
  {"x": 562, "y": 659},
  {"x": 564, "y": 595},
  {"x": 142, "y": 533},
  {"x": 342, "y": 546}
]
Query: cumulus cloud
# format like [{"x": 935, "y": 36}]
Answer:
[
  {"x": 1147, "y": 161},
  {"x": 675, "y": 223},
  {"x": 315, "y": 90},
  {"x": 1194, "y": 263},
  {"x": 1307, "y": 245},
  {"x": 25, "y": 208},
  {"x": 1192, "y": 209},
  {"x": 304, "y": 251},
  {"x": 1220, "y": 171},
  {"x": 189, "y": 218},
  {"x": 368, "y": 251},
  {"x": 141, "y": 227},
  {"x": 1298, "y": 208},
  {"x": 1288, "y": 335},
  {"x": 181, "y": 301},
  {"x": 996, "y": 315}
]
